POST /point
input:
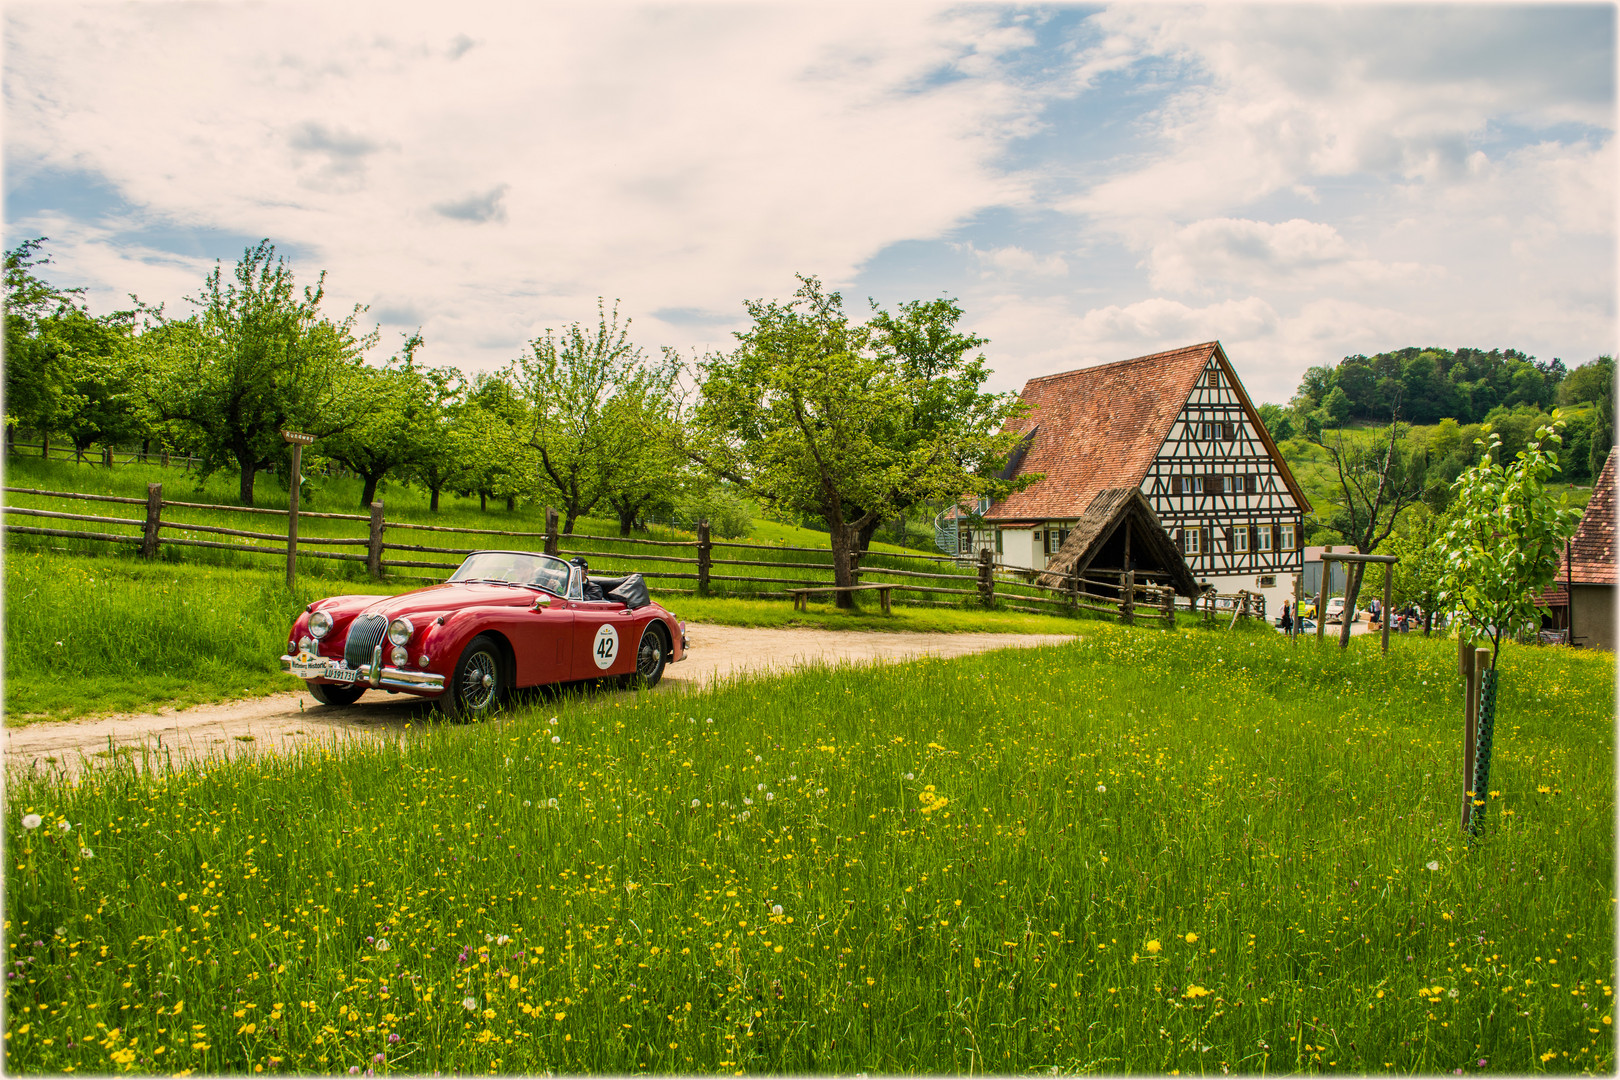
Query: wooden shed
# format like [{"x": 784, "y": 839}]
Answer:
[{"x": 1119, "y": 531}]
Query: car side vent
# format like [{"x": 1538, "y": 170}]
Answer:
[{"x": 364, "y": 633}]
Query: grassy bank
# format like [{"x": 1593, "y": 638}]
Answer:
[{"x": 1141, "y": 852}]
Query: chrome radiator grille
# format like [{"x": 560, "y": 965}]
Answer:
[{"x": 364, "y": 634}]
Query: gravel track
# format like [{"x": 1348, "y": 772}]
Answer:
[{"x": 283, "y": 721}]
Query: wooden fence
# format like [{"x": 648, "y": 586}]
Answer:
[{"x": 690, "y": 566}]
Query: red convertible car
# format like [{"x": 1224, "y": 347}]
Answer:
[{"x": 504, "y": 619}]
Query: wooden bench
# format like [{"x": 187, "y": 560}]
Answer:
[{"x": 800, "y": 596}]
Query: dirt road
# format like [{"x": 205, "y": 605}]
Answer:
[{"x": 284, "y": 720}]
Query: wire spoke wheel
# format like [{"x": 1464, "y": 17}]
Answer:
[
  {"x": 650, "y": 659},
  {"x": 477, "y": 683}
]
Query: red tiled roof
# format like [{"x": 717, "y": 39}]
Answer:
[
  {"x": 1592, "y": 546},
  {"x": 1101, "y": 427}
]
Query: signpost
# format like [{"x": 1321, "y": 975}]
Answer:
[{"x": 298, "y": 441}]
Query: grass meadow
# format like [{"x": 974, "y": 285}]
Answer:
[
  {"x": 87, "y": 634},
  {"x": 1179, "y": 853}
]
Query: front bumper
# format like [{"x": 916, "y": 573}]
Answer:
[{"x": 381, "y": 676}]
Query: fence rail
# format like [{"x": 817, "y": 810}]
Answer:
[{"x": 1115, "y": 593}]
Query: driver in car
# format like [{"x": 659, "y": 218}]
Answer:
[{"x": 592, "y": 591}]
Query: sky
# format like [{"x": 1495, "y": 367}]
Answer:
[{"x": 1300, "y": 181}]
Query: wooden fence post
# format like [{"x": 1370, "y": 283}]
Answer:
[
  {"x": 987, "y": 580},
  {"x": 1168, "y": 596},
  {"x": 374, "y": 547},
  {"x": 163, "y": 459},
  {"x": 704, "y": 556},
  {"x": 154, "y": 513},
  {"x": 552, "y": 544},
  {"x": 1127, "y": 597},
  {"x": 45, "y": 444},
  {"x": 1321, "y": 598},
  {"x": 106, "y": 455}
]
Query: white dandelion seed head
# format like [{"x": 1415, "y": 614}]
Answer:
[
  {"x": 1452, "y": 992},
  {"x": 552, "y": 803},
  {"x": 759, "y": 787},
  {"x": 710, "y": 720},
  {"x": 552, "y": 721},
  {"x": 65, "y": 826},
  {"x": 31, "y": 821},
  {"x": 526, "y": 802},
  {"x": 61, "y": 931},
  {"x": 86, "y": 853},
  {"x": 1434, "y": 865},
  {"x": 776, "y": 909},
  {"x": 469, "y": 1003},
  {"x": 820, "y": 791},
  {"x": 489, "y": 938},
  {"x": 696, "y": 803},
  {"x": 910, "y": 776},
  {"x": 1102, "y": 789},
  {"x": 769, "y": 795},
  {"x": 758, "y": 758},
  {"x": 792, "y": 778},
  {"x": 555, "y": 739},
  {"x": 747, "y": 801},
  {"x": 744, "y": 815},
  {"x": 502, "y": 939},
  {"x": 382, "y": 945}
]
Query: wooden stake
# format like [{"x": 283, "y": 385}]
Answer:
[
  {"x": 292, "y": 513},
  {"x": 1385, "y": 614},
  {"x": 154, "y": 515},
  {"x": 374, "y": 545},
  {"x": 1465, "y": 662}
]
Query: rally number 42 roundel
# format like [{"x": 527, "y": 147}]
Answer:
[{"x": 605, "y": 649}]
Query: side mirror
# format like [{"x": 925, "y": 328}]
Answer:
[{"x": 542, "y": 601}]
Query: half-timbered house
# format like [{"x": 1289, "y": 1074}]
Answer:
[{"x": 1179, "y": 426}]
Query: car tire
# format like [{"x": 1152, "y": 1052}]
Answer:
[
  {"x": 336, "y": 694},
  {"x": 477, "y": 684},
  {"x": 650, "y": 660}
]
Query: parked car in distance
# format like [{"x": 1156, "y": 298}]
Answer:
[
  {"x": 1335, "y": 610},
  {"x": 503, "y": 620}
]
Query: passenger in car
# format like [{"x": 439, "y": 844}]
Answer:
[{"x": 592, "y": 591}]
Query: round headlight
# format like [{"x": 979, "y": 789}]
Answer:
[
  {"x": 320, "y": 624},
  {"x": 399, "y": 656},
  {"x": 400, "y": 631}
]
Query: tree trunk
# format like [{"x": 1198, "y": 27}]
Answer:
[
  {"x": 511, "y": 503},
  {"x": 483, "y": 501},
  {"x": 368, "y": 493},
  {"x": 45, "y": 444},
  {"x": 247, "y": 470},
  {"x": 568, "y": 522},
  {"x": 1352, "y": 589},
  {"x": 844, "y": 540},
  {"x": 433, "y": 505},
  {"x": 1428, "y": 622},
  {"x": 863, "y": 542},
  {"x": 627, "y": 518}
]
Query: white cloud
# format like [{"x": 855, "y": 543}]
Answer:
[
  {"x": 1293, "y": 256},
  {"x": 495, "y": 168},
  {"x": 1013, "y": 261}
]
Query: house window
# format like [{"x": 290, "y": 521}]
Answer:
[
  {"x": 1262, "y": 538},
  {"x": 1240, "y": 538},
  {"x": 998, "y": 541},
  {"x": 965, "y": 541},
  {"x": 1269, "y": 581},
  {"x": 1214, "y": 484},
  {"x": 1208, "y": 430},
  {"x": 1286, "y": 543},
  {"x": 1192, "y": 541},
  {"x": 1214, "y": 377},
  {"x": 1054, "y": 540}
]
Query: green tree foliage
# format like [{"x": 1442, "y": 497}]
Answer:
[
  {"x": 728, "y": 514},
  {"x": 256, "y": 358},
  {"x": 569, "y": 384},
  {"x": 1416, "y": 578},
  {"x": 491, "y": 423},
  {"x": 444, "y": 440},
  {"x": 396, "y": 408},
  {"x": 1279, "y": 423},
  {"x": 643, "y": 478},
  {"x": 1506, "y": 535},
  {"x": 1431, "y": 383},
  {"x": 812, "y": 414}
]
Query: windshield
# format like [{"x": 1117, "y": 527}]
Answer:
[{"x": 516, "y": 568}]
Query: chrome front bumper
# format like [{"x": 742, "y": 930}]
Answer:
[{"x": 379, "y": 676}]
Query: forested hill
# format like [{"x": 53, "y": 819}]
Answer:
[{"x": 1505, "y": 388}]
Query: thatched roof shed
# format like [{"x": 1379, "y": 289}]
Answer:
[{"x": 1119, "y": 531}]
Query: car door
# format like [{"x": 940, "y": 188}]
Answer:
[
  {"x": 603, "y": 638},
  {"x": 543, "y": 643}
]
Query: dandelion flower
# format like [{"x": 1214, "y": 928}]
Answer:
[
  {"x": 31, "y": 821},
  {"x": 696, "y": 803},
  {"x": 776, "y": 909},
  {"x": 470, "y": 1004},
  {"x": 526, "y": 802},
  {"x": 769, "y": 795},
  {"x": 1433, "y": 865},
  {"x": 382, "y": 945},
  {"x": 1191, "y": 938},
  {"x": 502, "y": 939},
  {"x": 552, "y": 721},
  {"x": 758, "y": 758},
  {"x": 555, "y": 739},
  {"x": 552, "y": 803},
  {"x": 747, "y": 801},
  {"x": 64, "y": 826},
  {"x": 1102, "y": 790},
  {"x": 744, "y": 815},
  {"x": 86, "y": 853},
  {"x": 710, "y": 720},
  {"x": 759, "y": 787},
  {"x": 909, "y": 776},
  {"x": 1154, "y": 946}
]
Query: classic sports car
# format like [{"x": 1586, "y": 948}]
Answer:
[{"x": 504, "y": 619}]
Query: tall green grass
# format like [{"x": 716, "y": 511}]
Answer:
[{"x": 1168, "y": 853}]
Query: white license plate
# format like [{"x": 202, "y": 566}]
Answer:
[{"x": 315, "y": 667}]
